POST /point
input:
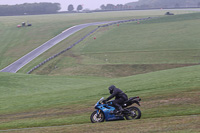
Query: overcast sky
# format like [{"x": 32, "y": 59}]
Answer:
[{"x": 91, "y": 4}]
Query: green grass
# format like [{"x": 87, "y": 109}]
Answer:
[
  {"x": 148, "y": 39},
  {"x": 170, "y": 98},
  {"x": 16, "y": 42},
  {"x": 183, "y": 124},
  {"x": 31, "y": 101},
  {"x": 157, "y": 44}
]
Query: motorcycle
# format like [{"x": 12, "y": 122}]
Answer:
[{"x": 106, "y": 111}]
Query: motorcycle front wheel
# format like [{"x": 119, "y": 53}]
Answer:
[
  {"x": 135, "y": 113},
  {"x": 97, "y": 117}
]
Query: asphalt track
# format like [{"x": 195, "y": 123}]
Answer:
[{"x": 17, "y": 65}]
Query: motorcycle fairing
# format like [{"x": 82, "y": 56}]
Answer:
[{"x": 107, "y": 112}]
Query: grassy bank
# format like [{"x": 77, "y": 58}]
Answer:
[
  {"x": 16, "y": 42},
  {"x": 180, "y": 124},
  {"x": 32, "y": 101},
  {"x": 129, "y": 56},
  {"x": 128, "y": 49}
]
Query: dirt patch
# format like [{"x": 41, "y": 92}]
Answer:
[
  {"x": 182, "y": 98},
  {"x": 128, "y": 70},
  {"x": 107, "y": 70}
]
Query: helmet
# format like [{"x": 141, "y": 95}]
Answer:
[{"x": 111, "y": 88}]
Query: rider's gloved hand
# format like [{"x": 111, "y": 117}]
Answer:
[{"x": 104, "y": 101}]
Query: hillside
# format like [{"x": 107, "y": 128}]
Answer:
[
  {"x": 131, "y": 48},
  {"x": 17, "y": 42},
  {"x": 157, "y": 60},
  {"x": 164, "y": 3},
  {"x": 32, "y": 101}
]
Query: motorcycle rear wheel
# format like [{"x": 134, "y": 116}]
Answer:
[
  {"x": 135, "y": 113},
  {"x": 95, "y": 118}
]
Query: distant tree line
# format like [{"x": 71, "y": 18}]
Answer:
[
  {"x": 29, "y": 8},
  {"x": 71, "y": 8},
  {"x": 146, "y": 4},
  {"x": 115, "y": 7}
]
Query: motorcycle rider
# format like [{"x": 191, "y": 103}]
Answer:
[{"x": 120, "y": 97}]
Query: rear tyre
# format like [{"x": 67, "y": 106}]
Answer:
[
  {"x": 97, "y": 118},
  {"x": 135, "y": 113}
]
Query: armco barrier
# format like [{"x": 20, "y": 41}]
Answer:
[{"x": 106, "y": 25}]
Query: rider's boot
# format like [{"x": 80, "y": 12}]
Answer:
[{"x": 120, "y": 109}]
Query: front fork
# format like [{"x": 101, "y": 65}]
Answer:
[{"x": 98, "y": 113}]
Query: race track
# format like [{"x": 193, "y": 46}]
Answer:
[{"x": 17, "y": 65}]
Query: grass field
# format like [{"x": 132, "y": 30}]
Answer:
[
  {"x": 179, "y": 124},
  {"x": 138, "y": 58},
  {"x": 32, "y": 101},
  {"x": 131, "y": 48},
  {"x": 16, "y": 42}
]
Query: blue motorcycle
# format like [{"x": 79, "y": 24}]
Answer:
[{"x": 106, "y": 111}]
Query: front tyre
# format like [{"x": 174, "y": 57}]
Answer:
[
  {"x": 97, "y": 117},
  {"x": 134, "y": 113}
]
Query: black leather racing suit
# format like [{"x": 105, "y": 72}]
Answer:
[{"x": 120, "y": 98}]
